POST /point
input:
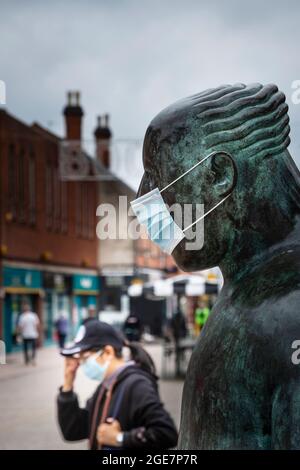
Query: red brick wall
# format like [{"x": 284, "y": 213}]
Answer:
[{"x": 25, "y": 241}]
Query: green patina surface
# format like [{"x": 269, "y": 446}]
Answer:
[{"x": 242, "y": 390}]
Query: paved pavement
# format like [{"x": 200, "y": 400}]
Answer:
[{"x": 27, "y": 400}]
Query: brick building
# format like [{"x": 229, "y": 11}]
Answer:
[
  {"x": 47, "y": 240},
  {"x": 50, "y": 256}
]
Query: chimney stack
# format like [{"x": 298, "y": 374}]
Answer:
[
  {"x": 73, "y": 113},
  {"x": 103, "y": 137}
]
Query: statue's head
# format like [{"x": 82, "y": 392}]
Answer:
[{"x": 247, "y": 126}]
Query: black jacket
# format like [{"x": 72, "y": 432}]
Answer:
[{"x": 143, "y": 419}]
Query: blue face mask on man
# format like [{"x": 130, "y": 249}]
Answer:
[
  {"x": 93, "y": 370},
  {"x": 153, "y": 213}
]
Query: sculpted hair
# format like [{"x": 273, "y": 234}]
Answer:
[{"x": 243, "y": 117}]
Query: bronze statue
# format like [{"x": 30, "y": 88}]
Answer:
[{"x": 242, "y": 389}]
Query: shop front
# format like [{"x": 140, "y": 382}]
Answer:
[
  {"x": 20, "y": 286},
  {"x": 86, "y": 290},
  {"x": 160, "y": 300},
  {"x": 58, "y": 301},
  {"x": 114, "y": 301}
]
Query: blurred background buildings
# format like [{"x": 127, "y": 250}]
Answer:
[{"x": 51, "y": 256}]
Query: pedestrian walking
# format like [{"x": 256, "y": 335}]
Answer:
[
  {"x": 178, "y": 326},
  {"x": 28, "y": 327},
  {"x": 125, "y": 410},
  {"x": 62, "y": 329},
  {"x": 179, "y": 331}
]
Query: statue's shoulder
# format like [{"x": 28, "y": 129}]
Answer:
[{"x": 276, "y": 324}]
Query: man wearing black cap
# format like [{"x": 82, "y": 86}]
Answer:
[{"x": 125, "y": 410}]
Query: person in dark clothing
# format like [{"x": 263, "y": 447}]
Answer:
[
  {"x": 179, "y": 331},
  {"x": 178, "y": 326},
  {"x": 132, "y": 328},
  {"x": 125, "y": 410},
  {"x": 62, "y": 328}
]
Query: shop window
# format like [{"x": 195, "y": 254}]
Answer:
[
  {"x": 16, "y": 307},
  {"x": 49, "y": 196},
  {"x": 57, "y": 200},
  {"x": 64, "y": 207},
  {"x": 84, "y": 209},
  {"x": 21, "y": 186},
  {"x": 32, "y": 189},
  {"x": 12, "y": 183},
  {"x": 91, "y": 212},
  {"x": 78, "y": 209},
  {"x": 112, "y": 300}
]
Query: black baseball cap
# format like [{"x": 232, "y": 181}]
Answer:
[{"x": 94, "y": 334}]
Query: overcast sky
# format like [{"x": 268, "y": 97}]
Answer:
[{"x": 132, "y": 58}]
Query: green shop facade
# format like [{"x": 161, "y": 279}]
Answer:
[{"x": 49, "y": 293}]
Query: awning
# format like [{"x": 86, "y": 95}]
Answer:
[{"x": 189, "y": 285}]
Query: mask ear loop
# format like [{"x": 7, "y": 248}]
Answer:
[
  {"x": 204, "y": 215},
  {"x": 185, "y": 173}
]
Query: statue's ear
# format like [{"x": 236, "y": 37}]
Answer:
[{"x": 224, "y": 172}]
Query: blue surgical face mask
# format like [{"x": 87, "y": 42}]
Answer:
[
  {"x": 153, "y": 213},
  {"x": 93, "y": 370}
]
